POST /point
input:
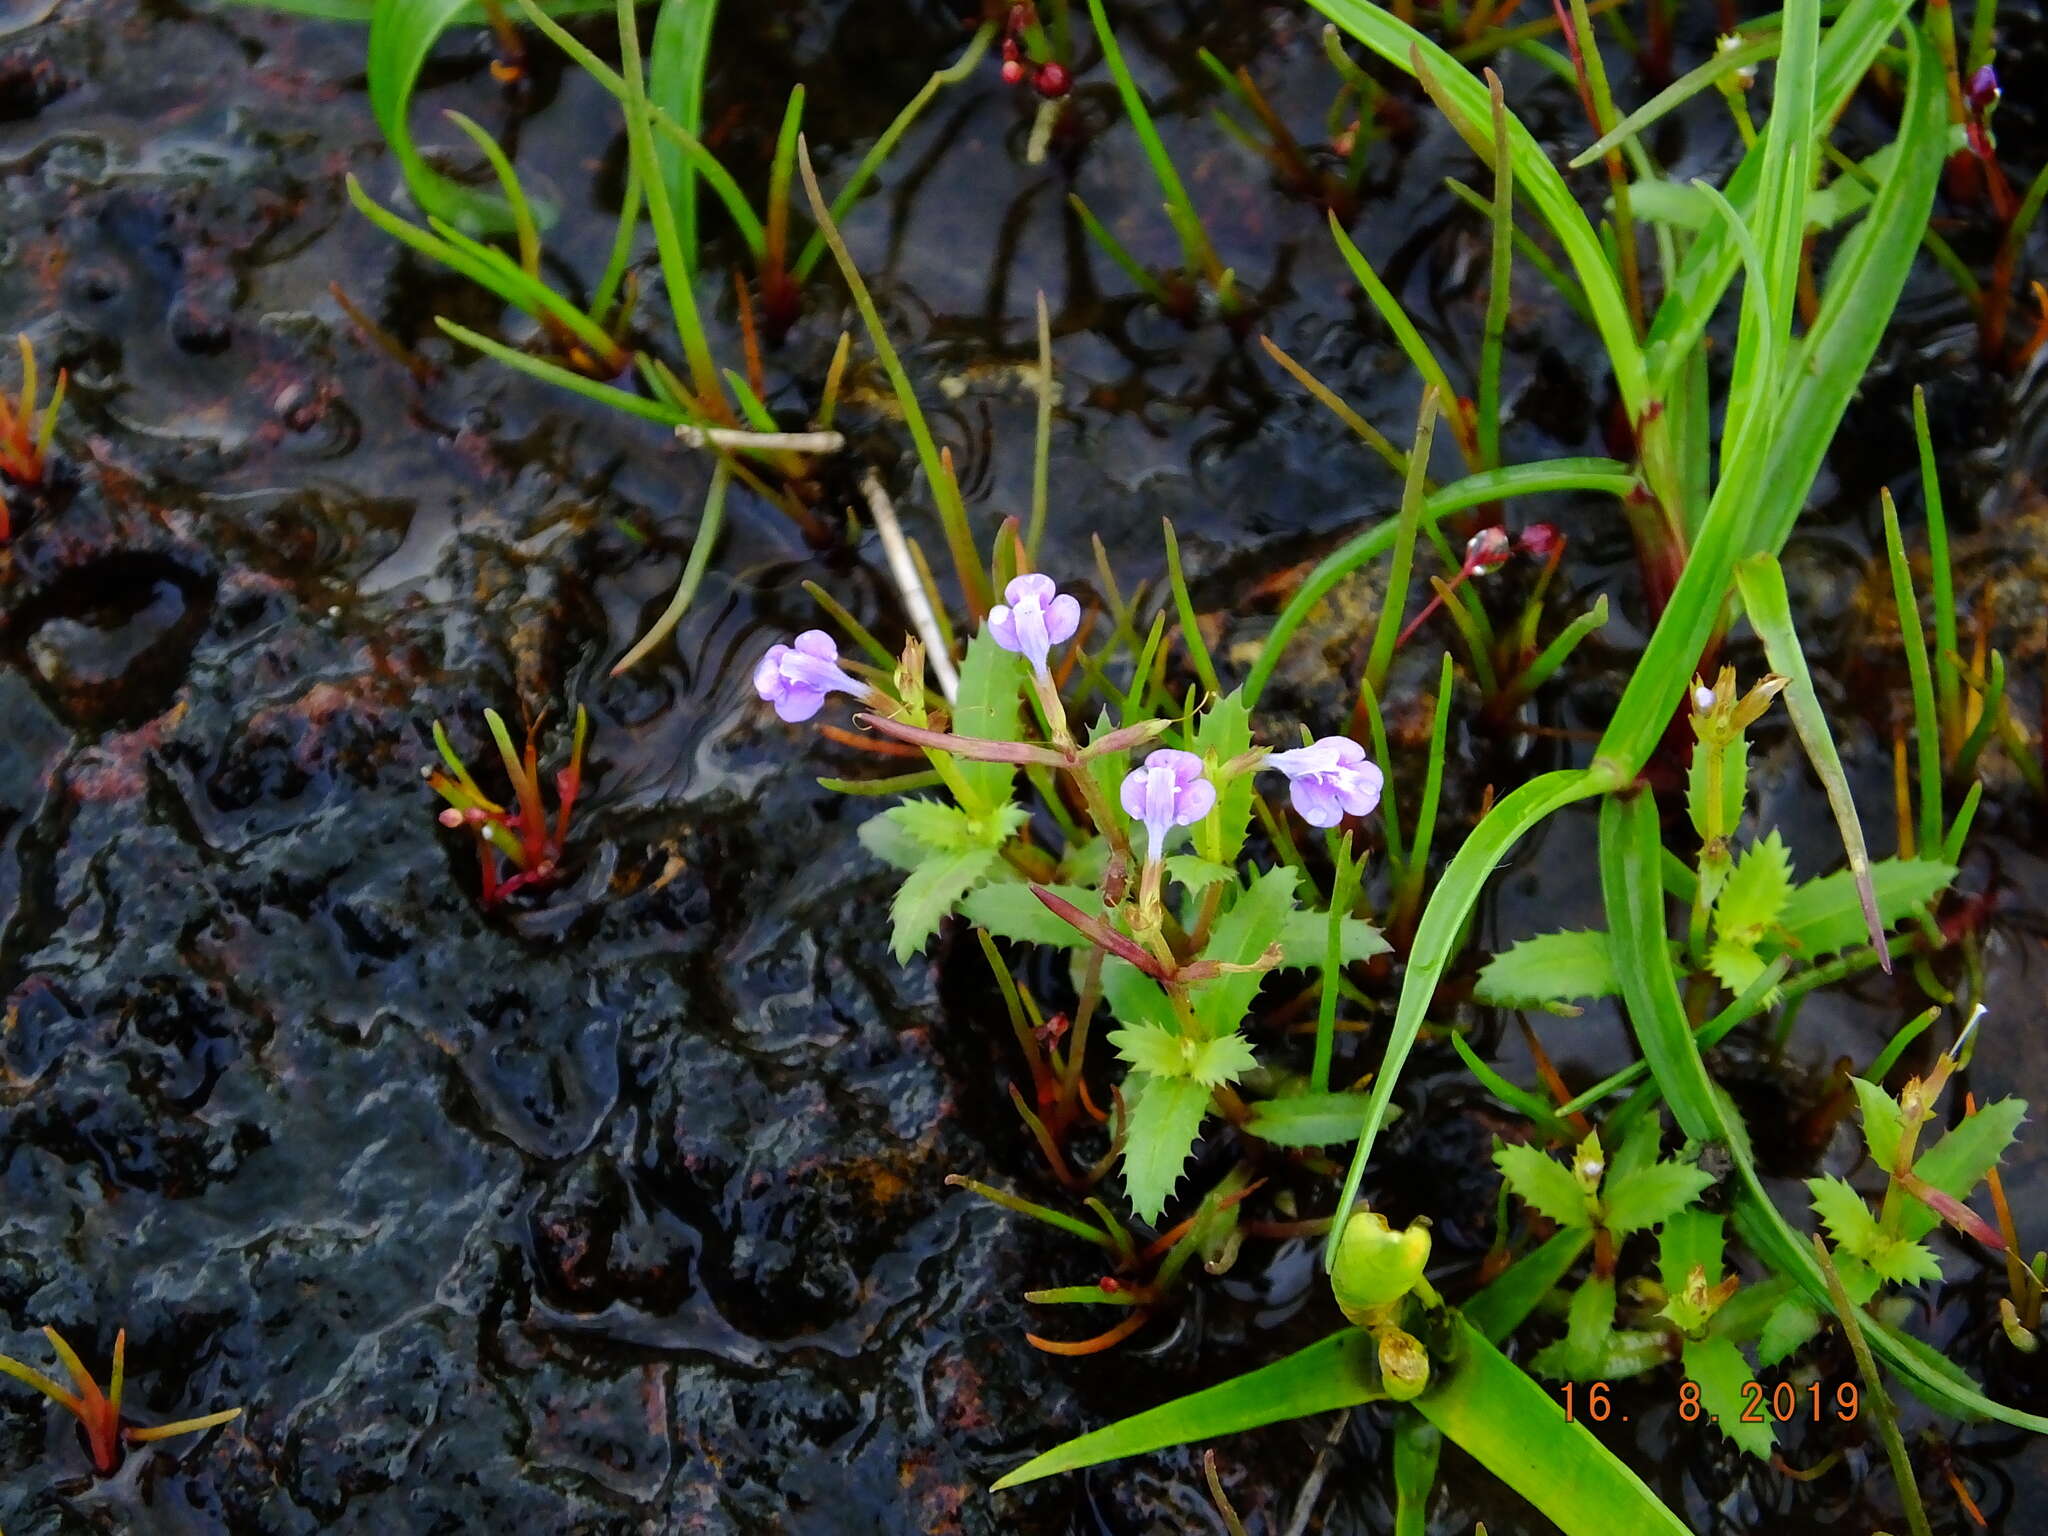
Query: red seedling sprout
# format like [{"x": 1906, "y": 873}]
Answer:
[
  {"x": 522, "y": 837},
  {"x": 100, "y": 1412},
  {"x": 25, "y": 431}
]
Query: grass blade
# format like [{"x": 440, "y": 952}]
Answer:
[
  {"x": 565, "y": 378},
  {"x": 1420, "y": 358},
  {"x": 1196, "y": 252},
  {"x": 676, "y": 263},
  {"x": 1540, "y": 181},
  {"x": 693, "y": 570},
  {"x": 1604, "y": 476},
  {"x": 1338, "y": 1372},
  {"x": 945, "y": 490},
  {"x": 1762, "y": 583},
  {"x": 1511, "y": 1425},
  {"x": 1941, "y": 576},
  {"x": 1926, "y": 721},
  {"x": 677, "y": 55},
  {"x": 1406, "y": 525},
  {"x": 1630, "y": 854},
  {"x": 880, "y": 150},
  {"x": 1436, "y": 938},
  {"x": 1678, "y": 93}
]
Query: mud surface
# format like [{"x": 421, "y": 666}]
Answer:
[{"x": 621, "y": 1210}]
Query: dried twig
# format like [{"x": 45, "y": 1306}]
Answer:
[{"x": 903, "y": 571}]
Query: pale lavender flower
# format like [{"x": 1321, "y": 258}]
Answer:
[
  {"x": 796, "y": 678},
  {"x": 1036, "y": 617},
  {"x": 1982, "y": 92},
  {"x": 1330, "y": 779},
  {"x": 1169, "y": 791}
]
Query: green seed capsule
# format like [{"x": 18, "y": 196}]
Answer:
[{"x": 1376, "y": 1266}]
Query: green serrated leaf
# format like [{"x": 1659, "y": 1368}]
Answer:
[
  {"x": 1880, "y": 1121},
  {"x": 1652, "y": 1196},
  {"x": 1165, "y": 1116},
  {"x": 1134, "y": 997},
  {"x": 887, "y": 840},
  {"x": 934, "y": 825},
  {"x": 1690, "y": 1239},
  {"x": 1581, "y": 1355},
  {"x": 991, "y": 684},
  {"x": 1223, "y": 732},
  {"x": 1904, "y": 1262},
  {"x": 1735, "y": 964},
  {"x": 1638, "y": 1149},
  {"x": 1734, "y": 786},
  {"x": 928, "y": 894},
  {"x": 1824, "y": 917},
  {"x": 1305, "y": 940},
  {"x": 1151, "y": 1050},
  {"x": 1956, "y": 1163},
  {"x": 1222, "y": 1060},
  {"x": 1547, "y": 970},
  {"x": 1756, "y": 893},
  {"x": 1007, "y": 909},
  {"x": 1791, "y": 1324},
  {"x": 1544, "y": 1184},
  {"x": 1254, "y": 921},
  {"x": 1308, "y": 1119},
  {"x": 1847, "y": 1215},
  {"x": 1001, "y": 824},
  {"x": 1195, "y": 873},
  {"x": 1721, "y": 1372}
]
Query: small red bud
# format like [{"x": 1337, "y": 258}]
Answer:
[
  {"x": 451, "y": 818},
  {"x": 1111, "y": 1285},
  {"x": 1013, "y": 72},
  {"x": 1011, "y": 52},
  {"x": 1539, "y": 541},
  {"x": 1053, "y": 80}
]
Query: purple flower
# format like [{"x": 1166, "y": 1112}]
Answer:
[
  {"x": 1168, "y": 791},
  {"x": 1329, "y": 780},
  {"x": 1982, "y": 92},
  {"x": 796, "y": 678},
  {"x": 1037, "y": 617}
]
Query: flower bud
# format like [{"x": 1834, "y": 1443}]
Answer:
[
  {"x": 1376, "y": 1266},
  {"x": 1539, "y": 541},
  {"x": 1053, "y": 81},
  {"x": 2021, "y": 1337},
  {"x": 1404, "y": 1364},
  {"x": 1486, "y": 551}
]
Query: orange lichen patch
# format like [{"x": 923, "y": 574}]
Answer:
[
  {"x": 942, "y": 1502},
  {"x": 45, "y": 260},
  {"x": 884, "y": 1186},
  {"x": 956, "y": 1388}
]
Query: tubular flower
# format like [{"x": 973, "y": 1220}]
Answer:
[
  {"x": 796, "y": 678},
  {"x": 1036, "y": 617},
  {"x": 1169, "y": 791},
  {"x": 1330, "y": 779}
]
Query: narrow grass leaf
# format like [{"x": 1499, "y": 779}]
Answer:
[{"x": 1761, "y": 581}]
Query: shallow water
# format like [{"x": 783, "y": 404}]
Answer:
[{"x": 625, "y": 1213}]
